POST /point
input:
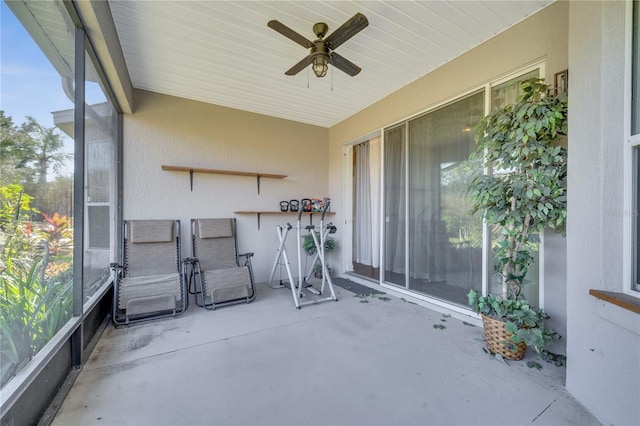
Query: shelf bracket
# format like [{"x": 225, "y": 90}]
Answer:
[
  {"x": 193, "y": 170},
  {"x": 258, "y": 214}
]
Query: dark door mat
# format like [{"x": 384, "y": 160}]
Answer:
[{"x": 355, "y": 287}]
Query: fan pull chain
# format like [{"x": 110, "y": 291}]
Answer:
[{"x": 308, "y": 77}]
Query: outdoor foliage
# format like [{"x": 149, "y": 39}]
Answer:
[
  {"x": 36, "y": 278},
  {"x": 465, "y": 230},
  {"x": 15, "y": 206},
  {"x": 36, "y": 249},
  {"x": 33, "y": 146},
  {"x": 28, "y": 153}
]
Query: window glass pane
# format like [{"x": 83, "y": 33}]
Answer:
[
  {"x": 36, "y": 179},
  {"x": 445, "y": 242},
  {"x": 100, "y": 134},
  {"x": 635, "y": 74},
  {"x": 635, "y": 130},
  {"x": 507, "y": 92},
  {"x": 394, "y": 205},
  {"x": 636, "y": 218}
]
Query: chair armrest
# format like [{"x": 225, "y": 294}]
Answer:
[
  {"x": 247, "y": 258},
  {"x": 116, "y": 270}
]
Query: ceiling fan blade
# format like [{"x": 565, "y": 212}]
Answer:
[
  {"x": 289, "y": 33},
  {"x": 344, "y": 64},
  {"x": 299, "y": 66},
  {"x": 347, "y": 30}
]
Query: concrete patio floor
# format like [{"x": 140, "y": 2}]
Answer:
[{"x": 358, "y": 361}]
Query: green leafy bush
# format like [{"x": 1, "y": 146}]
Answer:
[{"x": 36, "y": 278}]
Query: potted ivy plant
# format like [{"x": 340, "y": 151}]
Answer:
[
  {"x": 523, "y": 194},
  {"x": 512, "y": 325}
]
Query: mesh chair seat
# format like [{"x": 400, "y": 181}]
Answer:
[{"x": 149, "y": 286}]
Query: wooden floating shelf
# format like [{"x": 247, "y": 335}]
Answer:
[
  {"x": 258, "y": 213},
  {"x": 622, "y": 300},
  {"x": 275, "y": 212},
  {"x": 193, "y": 170},
  {"x": 220, "y": 172}
]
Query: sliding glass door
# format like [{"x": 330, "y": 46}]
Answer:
[
  {"x": 432, "y": 244},
  {"x": 427, "y": 174}
]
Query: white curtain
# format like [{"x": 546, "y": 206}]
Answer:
[
  {"x": 375, "y": 166},
  {"x": 362, "y": 205},
  {"x": 366, "y": 233}
]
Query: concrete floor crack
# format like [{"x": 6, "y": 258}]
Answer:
[{"x": 545, "y": 409}]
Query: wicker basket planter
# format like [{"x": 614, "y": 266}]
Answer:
[{"x": 499, "y": 341}]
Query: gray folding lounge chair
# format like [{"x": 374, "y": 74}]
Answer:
[
  {"x": 150, "y": 281},
  {"x": 217, "y": 276}
]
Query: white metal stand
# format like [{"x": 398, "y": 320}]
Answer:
[{"x": 297, "y": 290}]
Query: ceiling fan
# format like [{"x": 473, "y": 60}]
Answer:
[{"x": 322, "y": 50}]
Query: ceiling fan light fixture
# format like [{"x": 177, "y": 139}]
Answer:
[
  {"x": 320, "y": 64},
  {"x": 321, "y": 52}
]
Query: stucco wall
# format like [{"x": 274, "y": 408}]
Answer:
[
  {"x": 542, "y": 36},
  {"x": 176, "y": 131},
  {"x": 604, "y": 340}
]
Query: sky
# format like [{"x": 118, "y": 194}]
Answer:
[{"x": 29, "y": 84}]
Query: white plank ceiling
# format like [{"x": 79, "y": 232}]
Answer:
[{"x": 222, "y": 52}]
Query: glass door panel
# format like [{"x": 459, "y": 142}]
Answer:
[
  {"x": 395, "y": 205},
  {"x": 509, "y": 91},
  {"x": 432, "y": 244},
  {"x": 445, "y": 241}
]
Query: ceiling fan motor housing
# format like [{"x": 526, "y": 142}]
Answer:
[
  {"x": 320, "y": 29},
  {"x": 319, "y": 49}
]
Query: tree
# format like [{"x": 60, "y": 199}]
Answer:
[
  {"x": 42, "y": 147},
  {"x": 28, "y": 153},
  {"x": 12, "y": 169}
]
